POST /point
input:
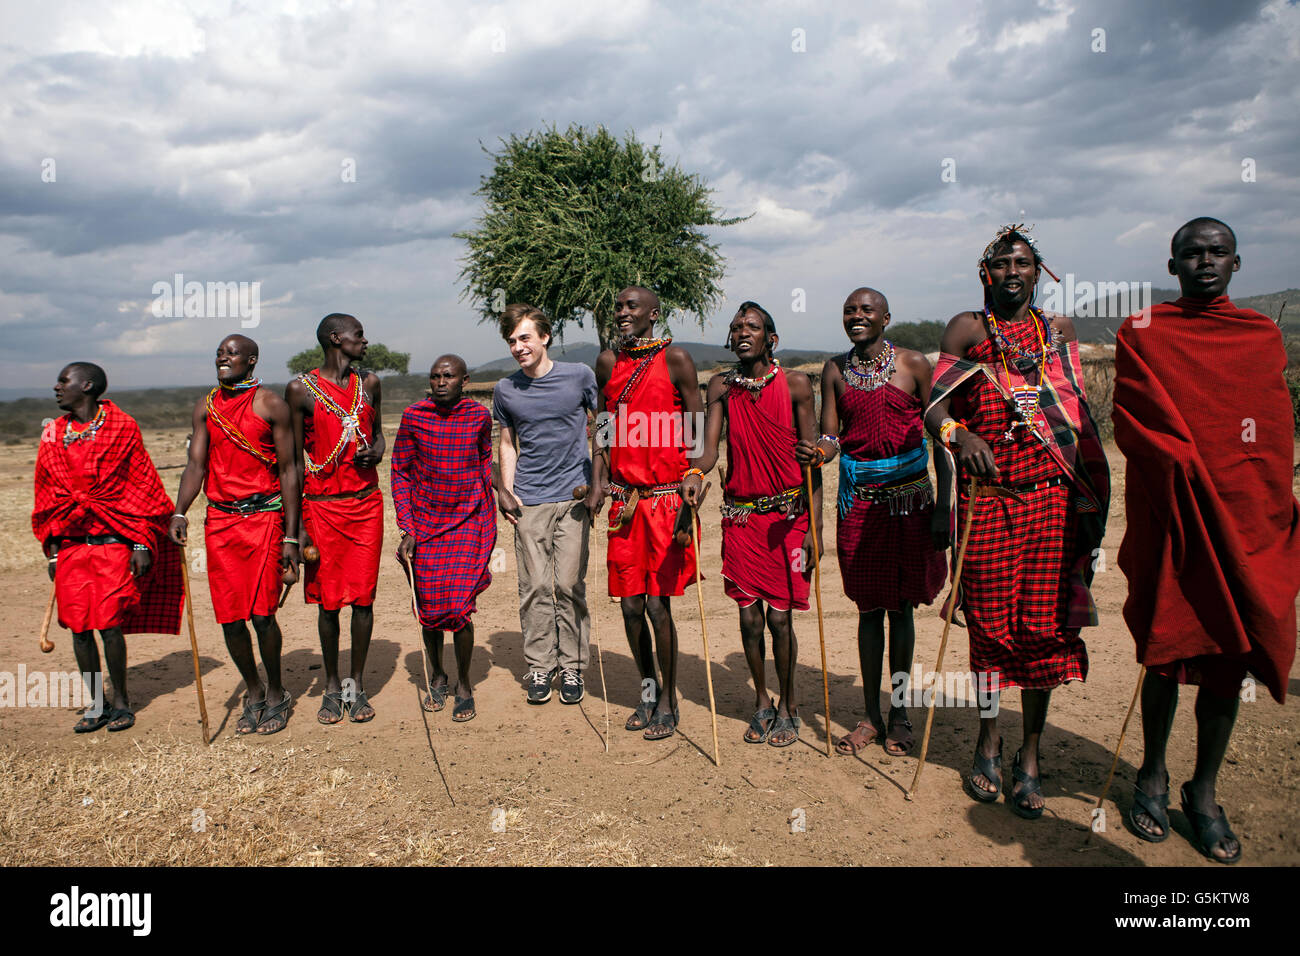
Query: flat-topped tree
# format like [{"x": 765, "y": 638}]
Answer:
[{"x": 570, "y": 218}]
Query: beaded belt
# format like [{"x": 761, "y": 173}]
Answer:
[
  {"x": 630, "y": 496},
  {"x": 253, "y": 504},
  {"x": 739, "y": 509},
  {"x": 94, "y": 539},
  {"x": 363, "y": 493},
  {"x": 1030, "y": 486},
  {"x": 621, "y": 492},
  {"x": 901, "y": 498}
]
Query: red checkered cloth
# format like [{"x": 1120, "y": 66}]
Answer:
[
  {"x": 119, "y": 487},
  {"x": 1016, "y": 579},
  {"x": 442, "y": 491},
  {"x": 886, "y": 560}
]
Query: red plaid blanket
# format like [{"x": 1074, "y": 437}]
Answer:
[{"x": 124, "y": 491}]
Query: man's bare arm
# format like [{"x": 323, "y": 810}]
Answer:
[{"x": 196, "y": 469}]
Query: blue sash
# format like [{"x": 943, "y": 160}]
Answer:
[{"x": 879, "y": 471}]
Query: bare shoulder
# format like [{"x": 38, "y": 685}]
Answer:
[
  {"x": 678, "y": 357},
  {"x": 605, "y": 364},
  {"x": 1063, "y": 324},
  {"x": 964, "y": 330},
  {"x": 717, "y": 386},
  {"x": 268, "y": 404},
  {"x": 296, "y": 394},
  {"x": 912, "y": 360},
  {"x": 371, "y": 383},
  {"x": 800, "y": 385}
]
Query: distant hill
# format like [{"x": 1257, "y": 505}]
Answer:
[{"x": 1106, "y": 316}]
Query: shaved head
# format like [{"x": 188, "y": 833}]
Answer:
[
  {"x": 245, "y": 344},
  {"x": 881, "y": 302},
  {"x": 92, "y": 373},
  {"x": 334, "y": 322},
  {"x": 645, "y": 293},
  {"x": 456, "y": 361},
  {"x": 1196, "y": 223}
]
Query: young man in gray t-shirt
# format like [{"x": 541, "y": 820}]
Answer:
[{"x": 543, "y": 410}]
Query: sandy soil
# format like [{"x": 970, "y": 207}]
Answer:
[{"x": 525, "y": 784}]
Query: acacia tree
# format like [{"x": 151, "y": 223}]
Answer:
[
  {"x": 572, "y": 218},
  {"x": 378, "y": 359}
]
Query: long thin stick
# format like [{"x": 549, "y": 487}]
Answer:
[
  {"x": 704, "y": 629},
  {"x": 821, "y": 626},
  {"x": 194, "y": 648},
  {"x": 943, "y": 642},
  {"x": 424, "y": 651},
  {"x": 1137, "y": 692},
  {"x": 47, "y": 645},
  {"x": 594, "y": 556},
  {"x": 428, "y": 683}
]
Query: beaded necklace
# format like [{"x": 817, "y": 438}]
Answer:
[
  {"x": 69, "y": 436},
  {"x": 249, "y": 382},
  {"x": 638, "y": 347},
  {"x": 1025, "y": 397},
  {"x": 233, "y": 433},
  {"x": 351, "y": 423},
  {"x": 645, "y": 351},
  {"x": 869, "y": 375},
  {"x": 754, "y": 385}
]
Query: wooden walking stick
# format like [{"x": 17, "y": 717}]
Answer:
[
  {"x": 194, "y": 648},
  {"x": 593, "y": 556},
  {"x": 704, "y": 630},
  {"x": 47, "y": 645},
  {"x": 821, "y": 626},
  {"x": 424, "y": 651},
  {"x": 1137, "y": 692},
  {"x": 591, "y": 614},
  {"x": 943, "y": 641}
]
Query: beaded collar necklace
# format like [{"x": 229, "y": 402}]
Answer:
[
  {"x": 868, "y": 375},
  {"x": 69, "y": 436},
  {"x": 639, "y": 347},
  {"x": 249, "y": 382},
  {"x": 755, "y": 385}
]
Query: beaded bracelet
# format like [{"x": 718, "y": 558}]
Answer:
[
  {"x": 290, "y": 540},
  {"x": 692, "y": 471},
  {"x": 831, "y": 440},
  {"x": 182, "y": 517},
  {"x": 948, "y": 428},
  {"x": 139, "y": 547}
]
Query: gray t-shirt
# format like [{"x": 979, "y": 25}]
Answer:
[{"x": 549, "y": 419}]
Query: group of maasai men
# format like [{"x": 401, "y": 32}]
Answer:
[{"x": 1211, "y": 549}]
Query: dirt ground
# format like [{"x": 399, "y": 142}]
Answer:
[{"x": 534, "y": 785}]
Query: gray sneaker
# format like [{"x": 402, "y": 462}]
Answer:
[
  {"x": 539, "y": 686},
  {"x": 571, "y": 688}
]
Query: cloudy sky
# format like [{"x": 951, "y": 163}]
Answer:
[{"x": 213, "y": 139}]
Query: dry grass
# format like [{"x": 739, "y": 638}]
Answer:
[{"x": 174, "y": 803}]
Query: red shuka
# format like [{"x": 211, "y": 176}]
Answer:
[
  {"x": 643, "y": 557},
  {"x": 348, "y": 531},
  {"x": 1212, "y": 546},
  {"x": 762, "y": 556},
  {"x": 243, "y": 550},
  {"x": 107, "y": 484}
]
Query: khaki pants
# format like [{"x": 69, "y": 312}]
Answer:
[{"x": 551, "y": 552}]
